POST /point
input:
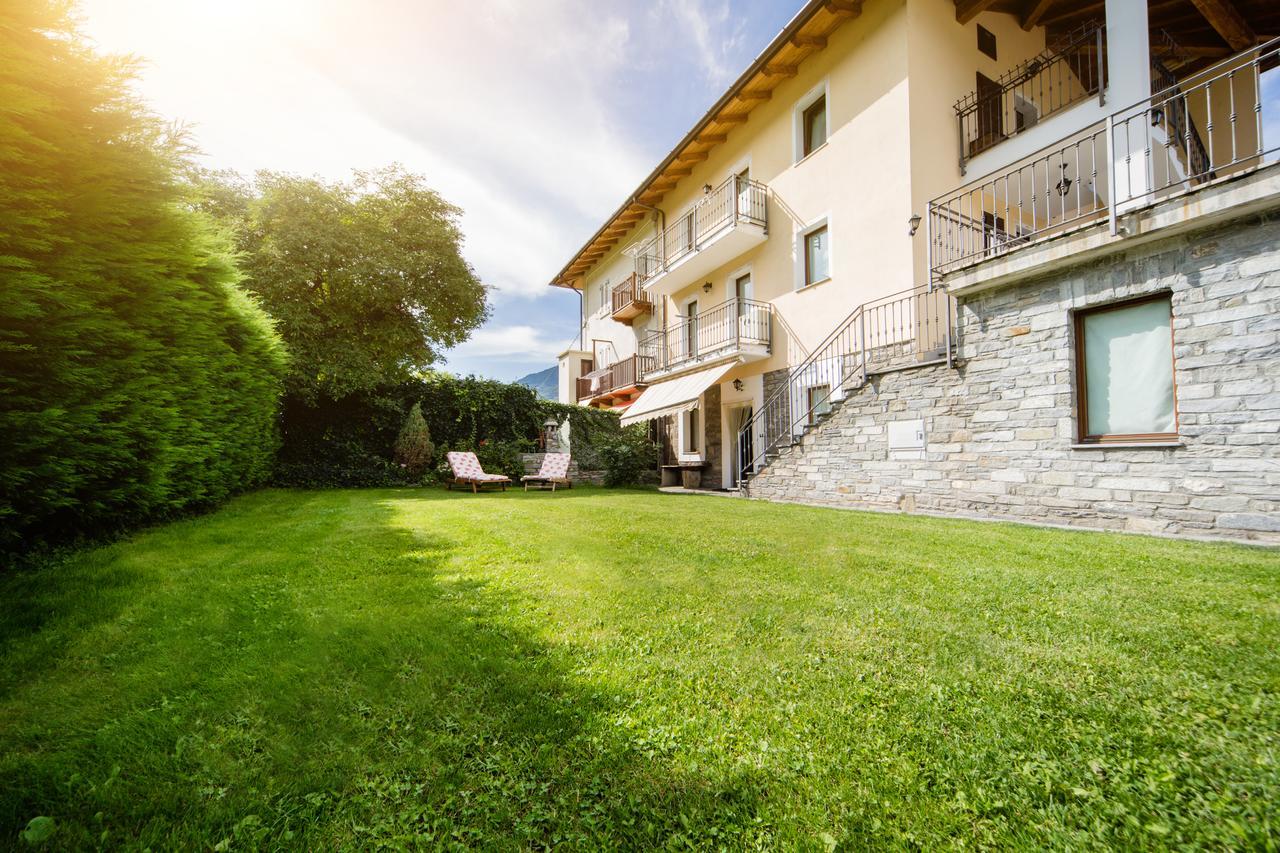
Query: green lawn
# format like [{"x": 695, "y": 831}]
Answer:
[{"x": 593, "y": 669}]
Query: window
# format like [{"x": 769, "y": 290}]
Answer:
[
  {"x": 691, "y": 431},
  {"x": 817, "y": 256},
  {"x": 814, "y": 125},
  {"x": 986, "y": 41},
  {"x": 819, "y": 402},
  {"x": 1125, "y": 371}
]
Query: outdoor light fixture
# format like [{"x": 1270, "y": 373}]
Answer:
[
  {"x": 914, "y": 222},
  {"x": 706, "y": 287},
  {"x": 737, "y": 384},
  {"x": 706, "y": 189},
  {"x": 1064, "y": 185}
]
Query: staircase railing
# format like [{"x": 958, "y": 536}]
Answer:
[{"x": 899, "y": 330}]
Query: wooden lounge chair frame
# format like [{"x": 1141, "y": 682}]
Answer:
[{"x": 466, "y": 471}]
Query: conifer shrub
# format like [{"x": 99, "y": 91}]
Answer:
[
  {"x": 414, "y": 451},
  {"x": 137, "y": 379}
]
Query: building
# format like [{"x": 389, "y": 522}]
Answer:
[{"x": 1007, "y": 258}]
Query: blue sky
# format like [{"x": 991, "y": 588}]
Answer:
[{"x": 537, "y": 117}]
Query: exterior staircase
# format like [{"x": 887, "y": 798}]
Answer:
[{"x": 912, "y": 328}]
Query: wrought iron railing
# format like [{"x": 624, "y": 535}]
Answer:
[
  {"x": 624, "y": 373},
  {"x": 900, "y": 330},
  {"x": 1207, "y": 126},
  {"x": 1070, "y": 71},
  {"x": 736, "y": 201},
  {"x": 717, "y": 331},
  {"x": 629, "y": 292}
]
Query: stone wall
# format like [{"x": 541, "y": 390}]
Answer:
[
  {"x": 713, "y": 451},
  {"x": 533, "y": 462},
  {"x": 1000, "y": 427}
]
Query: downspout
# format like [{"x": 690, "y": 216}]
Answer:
[{"x": 582, "y": 318}]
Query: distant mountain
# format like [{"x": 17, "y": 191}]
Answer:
[{"x": 545, "y": 382}]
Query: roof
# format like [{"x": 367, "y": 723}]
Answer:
[{"x": 805, "y": 35}]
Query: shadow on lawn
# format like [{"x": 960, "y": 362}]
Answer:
[{"x": 350, "y": 685}]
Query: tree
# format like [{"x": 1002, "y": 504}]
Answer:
[
  {"x": 414, "y": 450},
  {"x": 365, "y": 278},
  {"x": 136, "y": 378}
]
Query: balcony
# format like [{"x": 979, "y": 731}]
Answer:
[
  {"x": 1064, "y": 74},
  {"x": 738, "y": 328},
  {"x": 726, "y": 222},
  {"x": 1198, "y": 132},
  {"x": 614, "y": 386},
  {"x": 630, "y": 300}
]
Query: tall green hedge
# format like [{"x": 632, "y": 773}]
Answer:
[
  {"x": 351, "y": 441},
  {"x": 136, "y": 378}
]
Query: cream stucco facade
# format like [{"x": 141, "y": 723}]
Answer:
[{"x": 890, "y": 78}]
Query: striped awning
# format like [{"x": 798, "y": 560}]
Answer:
[{"x": 673, "y": 396}]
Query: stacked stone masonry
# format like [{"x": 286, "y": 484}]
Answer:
[{"x": 1000, "y": 427}]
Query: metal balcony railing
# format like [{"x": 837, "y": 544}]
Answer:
[
  {"x": 900, "y": 330},
  {"x": 1208, "y": 126},
  {"x": 736, "y": 201},
  {"x": 624, "y": 373},
  {"x": 1069, "y": 71},
  {"x": 722, "y": 330}
]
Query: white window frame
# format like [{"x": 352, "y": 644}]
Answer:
[
  {"x": 606, "y": 302},
  {"x": 690, "y": 440},
  {"x": 731, "y": 281},
  {"x": 822, "y": 90},
  {"x": 801, "y": 250}
]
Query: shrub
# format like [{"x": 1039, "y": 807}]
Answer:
[
  {"x": 136, "y": 378},
  {"x": 414, "y": 451},
  {"x": 627, "y": 455}
]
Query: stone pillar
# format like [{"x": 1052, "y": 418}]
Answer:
[
  {"x": 713, "y": 473},
  {"x": 1129, "y": 82}
]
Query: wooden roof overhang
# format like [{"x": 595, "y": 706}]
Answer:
[
  {"x": 806, "y": 34},
  {"x": 1205, "y": 31}
]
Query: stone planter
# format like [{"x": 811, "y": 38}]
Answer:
[{"x": 691, "y": 477}]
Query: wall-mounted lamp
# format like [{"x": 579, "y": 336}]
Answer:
[
  {"x": 706, "y": 189},
  {"x": 914, "y": 223},
  {"x": 706, "y": 287},
  {"x": 737, "y": 384}
]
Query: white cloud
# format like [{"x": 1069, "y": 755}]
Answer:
[
  {"x": 504, "y": 107},
  {"x": 501, "y": 343},
  {"x": 715, "y": 38}
]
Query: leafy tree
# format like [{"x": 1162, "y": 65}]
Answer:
[
  {"x": 414, "y": 450},
  {"x": 136, "y": 378},
  {"x": 365, "y": 278}
]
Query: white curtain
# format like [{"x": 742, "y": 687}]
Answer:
[{"x": 1129, "y": 370}]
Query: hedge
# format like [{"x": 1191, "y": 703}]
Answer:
[
  {"x": 351, "y": 441},
  {"x": 136, "y": 379}
]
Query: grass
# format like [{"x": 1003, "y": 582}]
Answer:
[{"x": 599, "y": 669}]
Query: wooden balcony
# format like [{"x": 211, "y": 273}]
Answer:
[
  {"x": 615, "y": 386},
  {"x": 630, "y": 301}
]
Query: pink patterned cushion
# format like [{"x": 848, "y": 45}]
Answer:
[
  {"x": 555, "y": 466},
  {"x": 466, "y": 466}
]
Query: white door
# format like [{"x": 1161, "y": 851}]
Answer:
[
  {"x": 691, "y": 328},
  {"x": 743, "y": 179},
  {"x": 748, "y": 313}
]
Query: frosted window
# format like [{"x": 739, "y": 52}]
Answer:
[
  {"x": 1128, "y": 356},
  {"x": 817, "y": 257}
]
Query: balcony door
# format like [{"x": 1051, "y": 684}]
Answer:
[
  {"x": 742, "y": 185},
  {"x": 743, "y": 444},
  {"x": 990, "y": 115},
  {"x": 690, "y": 342},
  {"x": 743, "y": 293}
]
